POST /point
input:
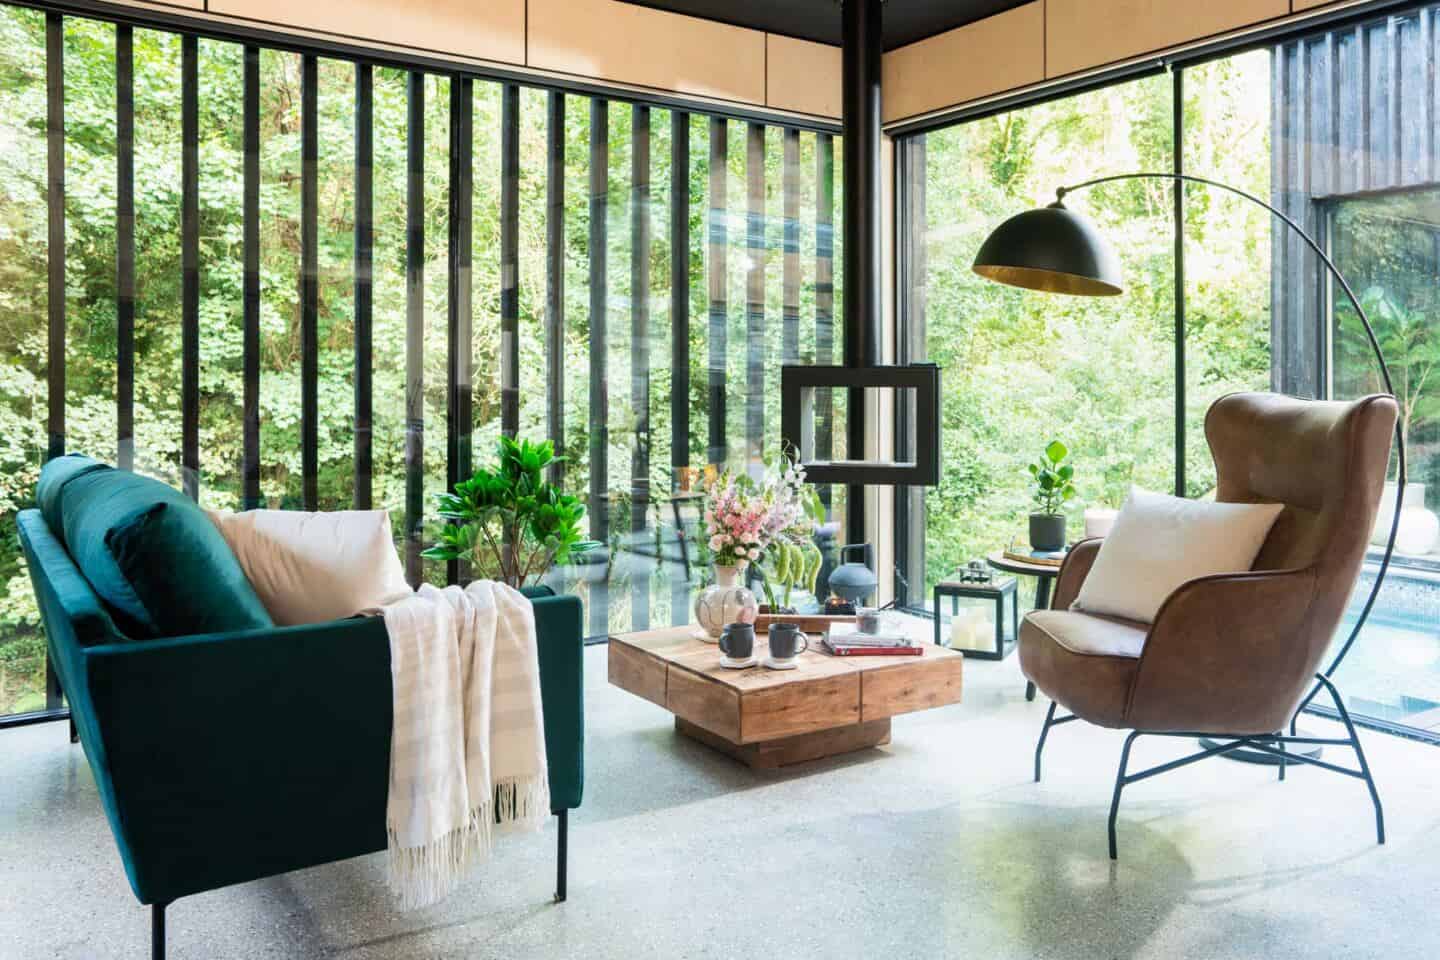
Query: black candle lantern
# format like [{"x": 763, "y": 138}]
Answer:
[{"x": 982, "y": 626}]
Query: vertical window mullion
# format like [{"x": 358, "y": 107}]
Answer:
[
  {"x": 824, "y": 296},
  {"x": 599, "y": 356},
  {"x": 510, "y": 259},
  {"x": 599, "y": 394},
  {"x": 640, "y": 347},
  {"x": 459, "y": 393},
  {"x": 718, "y": 240},
  {"x": 755, "y": 293},
  {"x": 55, "y": 261},
  {"x": 414, "y": 325},
  {"x": 55, "y": 252},
  {"x": 1177, "y": 150},
  {"x": 679, "y": 337},
  {"x": 125, "y": 247},
  {"x": 555, "y": 277},
  {"x": 364, "y": 272},
  {"x": 790, "y": 275},
  {"x": 250, "y": 456},
  {"x": 190, "y": 265},
  {"x": 679, "y": 290},
  {"x": 309, "y": 284}
]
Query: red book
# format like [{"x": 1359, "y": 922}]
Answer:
[{"x": 841, "y": 649}]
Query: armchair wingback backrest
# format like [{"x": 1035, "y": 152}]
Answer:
[{"x": 1326, "y": 462}]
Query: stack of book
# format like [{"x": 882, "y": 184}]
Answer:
[{"x": 872, "y": 645}]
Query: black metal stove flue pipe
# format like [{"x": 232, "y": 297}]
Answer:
[{"x": 861, "y": 26}]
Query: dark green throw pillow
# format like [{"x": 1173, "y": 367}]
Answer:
[{"x": 154, "y": 557}]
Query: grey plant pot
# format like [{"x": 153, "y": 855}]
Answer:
[{"x": 1047, "y": 532}]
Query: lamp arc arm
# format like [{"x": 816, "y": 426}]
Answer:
[{"x": 1324, "y": 258}]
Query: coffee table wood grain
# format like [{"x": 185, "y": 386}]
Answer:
[{"x": 769, "y": 718}]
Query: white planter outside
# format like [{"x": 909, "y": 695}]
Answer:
[{"x": 1419, "y": 532}]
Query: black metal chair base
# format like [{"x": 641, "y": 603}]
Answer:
[
  {"x": 1261, "y": 757},
  {"x": 1277, "y": 745}
]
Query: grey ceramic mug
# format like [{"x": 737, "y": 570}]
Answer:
[
  {"x": 737, "y": 641},
  {"x": 786, "y": 641}
]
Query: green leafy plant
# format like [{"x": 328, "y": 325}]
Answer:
[
  {"x": 1054, "y": 479},
  {"x": 509, "y": 523}
]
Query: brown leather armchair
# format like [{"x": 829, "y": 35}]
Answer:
[{"x": 1233, "y": 656}]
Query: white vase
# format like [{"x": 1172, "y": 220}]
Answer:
[
  {"x": 723, "y": 603},
  {"x": 1419, "y": 531}
]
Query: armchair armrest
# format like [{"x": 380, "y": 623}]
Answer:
[
  {"x": 237, "y": 756},
  {"x": 1073, "y": 571},
  {"x": 1228, "y": 654}
]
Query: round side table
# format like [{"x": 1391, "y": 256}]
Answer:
[{"x": 1044, "y": 575}]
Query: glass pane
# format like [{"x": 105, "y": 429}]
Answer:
[
  {"x": 157, "y": 255},
  {"x": 23, "y": 324},
  {"x": 335, "y": 194},
  {"x": 1228, "y": 243},
  {"x": 389, "y": 298},
  {"x": 222, "y": 259},
  {"x": 1025, "y": 368}
]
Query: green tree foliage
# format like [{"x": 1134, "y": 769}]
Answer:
[
  {"x": 90, "y": 209},
  {"x": 1022, "y": 367}
]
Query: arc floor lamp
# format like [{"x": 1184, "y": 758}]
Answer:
[{"x": 1053, "y": 249}]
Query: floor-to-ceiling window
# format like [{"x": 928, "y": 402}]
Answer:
[
  {"x": 1337, "y": 130},
  {"x": 290, "y": 280}
]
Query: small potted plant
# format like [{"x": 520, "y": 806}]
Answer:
[
  {"x": 1054, "y": 487},
  {"x": 509, "y": 523}
]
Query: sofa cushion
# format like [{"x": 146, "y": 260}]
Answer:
[
  {"x": 316, "y": 567},
  {"x": 154, "y": 557},
  {"x": 53, "y": 477}
]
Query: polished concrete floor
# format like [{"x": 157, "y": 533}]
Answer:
[{"x": 935, "y": 846}]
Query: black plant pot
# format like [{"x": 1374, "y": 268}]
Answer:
[{"x": 1047, "y": 532}]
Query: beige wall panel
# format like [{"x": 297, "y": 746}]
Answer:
[
  {"x": 1298, "y": 5},
  {"x": 163, "y": 4},
  {"x": 802, "y": 76},
  {"x": 998, "y": 53},
  {"x": 1088, "y": 33},
  {"x": 621, "y": 42},
  {"x": 492, "y": 30}
]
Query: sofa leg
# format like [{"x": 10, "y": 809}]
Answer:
[
  {"x": 74, "y": 734},
  {"x": 562, "y": 856},
  {"x": 157, "y": 931}
]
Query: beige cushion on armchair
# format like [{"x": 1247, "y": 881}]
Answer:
[
  {"x": 316, "y": 567},
  {"x": 1159, "y": 542}
]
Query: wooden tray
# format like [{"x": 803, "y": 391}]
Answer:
[{"x": 807, "y": 622}]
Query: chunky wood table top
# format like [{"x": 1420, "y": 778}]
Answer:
[{"x": 766, "y": 717}]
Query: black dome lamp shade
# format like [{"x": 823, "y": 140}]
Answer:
[{"x": 1051, "y": 249}]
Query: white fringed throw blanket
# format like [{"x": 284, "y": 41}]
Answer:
[{"x": 467, "y": 749}]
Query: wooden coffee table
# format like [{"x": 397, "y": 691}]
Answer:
[{"x": 769, "y": 718}]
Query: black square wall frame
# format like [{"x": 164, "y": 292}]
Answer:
[{"x": 798, "y": 385}]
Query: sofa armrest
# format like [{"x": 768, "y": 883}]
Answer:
[
  {"x": 1073, "y": 571},
  {"x": 1228, "y": 654},
  {"x": 242, "y": 755},
  {"x": 559, "y": 631}
]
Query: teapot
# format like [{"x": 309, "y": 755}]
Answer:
[{"x": 855, "y": 580}]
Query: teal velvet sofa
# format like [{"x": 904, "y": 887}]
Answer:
[{"x": 224, "y": 757}]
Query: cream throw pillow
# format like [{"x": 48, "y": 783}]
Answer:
[
  {"x": 316, "y": 567},
  {"x": 1159, "y": 542}
]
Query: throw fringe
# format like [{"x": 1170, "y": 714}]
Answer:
[
  {"x": 421, "y": 876},
  {"x": 522, "y": 803}
]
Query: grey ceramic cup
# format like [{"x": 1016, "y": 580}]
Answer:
[
  {"x": 787, "y": 641},
  {"x": 737, "y": 641}
]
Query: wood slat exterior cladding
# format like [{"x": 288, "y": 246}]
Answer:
[
  {"x": 1080, "y": 34},
  {"x": 625, "y": 43},
  {"x": 989, "y": 56},
  {"x": 802, "y": 76},
  {"x": 492, "y": 30}
]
